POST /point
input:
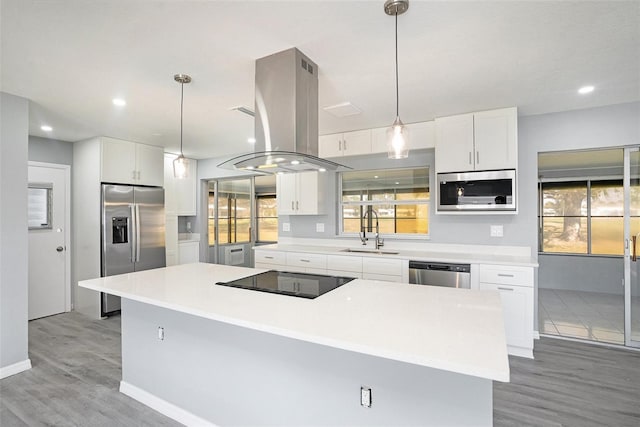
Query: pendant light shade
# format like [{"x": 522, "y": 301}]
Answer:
[
  {"x": 181, "y": 163},
  {"x": 397, "y": 134}
]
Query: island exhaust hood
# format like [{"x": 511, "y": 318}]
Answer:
[{"x": 286, "y": 117}]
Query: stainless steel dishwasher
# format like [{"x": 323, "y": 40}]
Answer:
[{"x": 440, "y": 274}]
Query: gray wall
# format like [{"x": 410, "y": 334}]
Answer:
[
  {"x": 581, "y": 273},
  {"x": 50, "y": 150},
  {"x": 14, "y": 129}
]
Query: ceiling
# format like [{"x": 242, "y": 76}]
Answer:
[{"x": 71, "y": 58}]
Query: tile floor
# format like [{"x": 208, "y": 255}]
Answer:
[{"x": 587, "y": 315}]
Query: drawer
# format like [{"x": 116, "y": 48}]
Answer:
[
  {"x": 506, "y": 275},
  {"x": 344, "y": 273},
  {"x": 344, "y": 263},
  {"x": 386, "y": 277},
  {"x": 307, "y": 260},
  {"x": 270, "y": 257},
  {"x": 378, "y": 265}
]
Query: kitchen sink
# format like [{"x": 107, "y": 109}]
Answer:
[{"x": 371, "y": 251}]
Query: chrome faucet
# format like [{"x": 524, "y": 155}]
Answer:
[{"x": 363, "y": 230}]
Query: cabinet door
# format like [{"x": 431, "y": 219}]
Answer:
[
  {"x": 286, "y": 193},
  {"x": 421, "y": 135},
  {"x": 454, "y": 143},
  {"x": 118, "y": 161},
  {"x": 496, "y": 139},
  {"x": 170, "y": 203},
  {"x": 517, "y": 308},
  {"x": 186, "y": 190},
  {"x": 330, "y": 145},
  {"x": 149, "y": 165},
  {"x": 356, "y": 143},
  {"x": 379, "y": 140},
  {"x": 310, "y": 200},
  {"x": 171, "y": 239},
  {"x": 188, "y": 252}
]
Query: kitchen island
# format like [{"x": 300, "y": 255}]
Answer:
[{"x": 203, "y": 353}]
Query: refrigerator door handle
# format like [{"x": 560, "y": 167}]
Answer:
[
  {"x": 137, "y": 232},
  {"x": 132, "y": 238}
]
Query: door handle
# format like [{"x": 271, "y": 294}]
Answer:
[
  {"x": 137, "y": 232},
  {"x": 633, "y": 248},
  {"x": 132, "y": 236},
  {"x": 59, "y": 249}
]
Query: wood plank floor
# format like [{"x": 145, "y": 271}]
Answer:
[{"x": 76, "y": 374}]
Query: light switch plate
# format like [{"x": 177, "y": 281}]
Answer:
[
  {"x": 497, "y": 231},
  {"x": 286, "y": 226},
  {"x": 320, "y": 227}
]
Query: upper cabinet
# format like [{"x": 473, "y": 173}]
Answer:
[
  {"x": 125, "y": 162},
  {"x": 301, "y": 193},
  {"x": 345, "y": 144},
  {"x": 180, "y": 194},
  {"x": 487, "y": 140}
]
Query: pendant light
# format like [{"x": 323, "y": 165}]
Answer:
[
  {"x": 181, "y": 164},
  {"x": 397, "y": 134}
]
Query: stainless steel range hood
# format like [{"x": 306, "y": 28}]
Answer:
[{"x": 286, "y": 117}]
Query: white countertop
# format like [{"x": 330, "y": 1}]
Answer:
[
  {"x": 409, "y": 254},
  {"x": 455, "y": 330}
]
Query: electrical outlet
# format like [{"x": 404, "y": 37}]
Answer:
[
  {"x": 497, "y": 231},
  {"x": 160, "y": 333},
  {"x": 286, "y": 226},
  {"x": 365, "y": 397},
  {"x": 320, "y": 227}
]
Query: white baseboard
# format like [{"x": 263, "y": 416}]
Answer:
[
  {"x": 520, "y": 352},
  {"x": 16, "y": 368},
  {"x": 169, "y": 409}
]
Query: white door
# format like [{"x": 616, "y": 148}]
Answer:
[{"x": 49, "y": 258}]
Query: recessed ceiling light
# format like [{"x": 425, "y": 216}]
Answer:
[
  {"x": 119, "y": 102},
  {"x": 46, "y": 128},
  {"x": 251, "y": 140},
  {"x": 322, "y": 170},
  {"x": 397, "y": 183},
  {"x": 585, "y": 89},
  {"x": 375, "y": 176}
]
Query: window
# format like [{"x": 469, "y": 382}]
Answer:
[
  {"x": 39, "y": 206},
  {"x": 400, "y": 198},
  {"x": 584, "y": 217},
  {"x": 267, "y": 218}
]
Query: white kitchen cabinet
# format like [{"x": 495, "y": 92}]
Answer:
[
  {"x": 344, "y": 263},
  {"x": 180, "y": 194},
  {"x": 345, "y": 144},
  {"x": 421, "y": 135},
  {"x": 171, "y": 239},
  {"x": 188, "y": 252},
  {"x": 515, "y": 285},
  {"x": 307, "y": 260},
  {"x": 486, "y": 140},
  {"x": 125, "y": 162},
  {"x": 301, "y": 193}
]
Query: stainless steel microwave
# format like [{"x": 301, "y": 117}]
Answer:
[{"x": 477, "y": 191}]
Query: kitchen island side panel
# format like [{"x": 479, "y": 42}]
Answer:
[{"x": 233, "y": 375}]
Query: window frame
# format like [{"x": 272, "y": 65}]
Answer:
[
  {"x": 363, "y": 204},
  {"x": 588, "y": 185},
  {"x": 273, "y": 196}
]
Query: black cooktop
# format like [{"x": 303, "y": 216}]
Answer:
[{"x": 302, "y": 285}]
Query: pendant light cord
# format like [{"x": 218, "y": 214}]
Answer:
[
  {"x": 181, "y": 106},
  {"x": 397, "y": 90}
]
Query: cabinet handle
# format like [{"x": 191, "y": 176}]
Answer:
[
  {"x": 477, "y": 157},
  {"x": 339, "y": 145},
  {"x": 292, "y": 206},
  {"x": 469, "y": 157},
  {"x": 504, "y": 289},
  {"x": 345, "y": 144},
  {"x": 268, "y": 257},
  {"x": 138, "y": 175},
  {"x": 297, "y": 207},
  {"x": 133, "y": 175},
  {"x": 505, "y": 275},
  {"x": 305, "y": 260}
]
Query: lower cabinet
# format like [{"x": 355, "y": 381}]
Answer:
[
  {"x": 188, "y": 252},
  {"x": 515, "y": 285}
]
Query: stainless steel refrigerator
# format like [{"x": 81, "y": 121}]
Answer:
[{"x": 132, "y": 233}]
